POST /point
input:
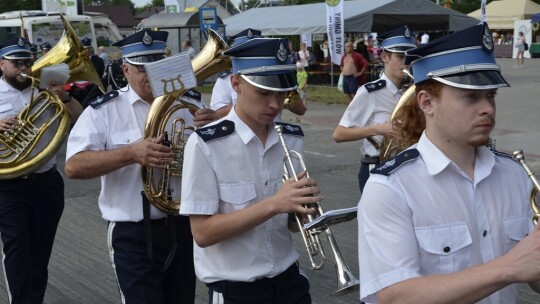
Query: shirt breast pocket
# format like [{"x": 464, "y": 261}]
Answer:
[
  {"x": 127, "y": 137},
  {"x": 517, "y": 228},
  {"x": 445, "y": 246},
  {"x": 236, "y": 196},
  {"x": 6, "y": 110}
]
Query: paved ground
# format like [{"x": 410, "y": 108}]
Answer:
[{"x": 79, "y": 267}]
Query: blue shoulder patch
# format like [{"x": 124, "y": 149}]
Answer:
[
  {"x": 395, "y": 162},
  {"x": 375, "y": 85},
  {"x": 291, "y": 129},
  {"x": 103, "y": 99},
  {"x": 192, "y": 93},
  {"x": 225, "y": 74},
  {"x": 216, "y": 131}
]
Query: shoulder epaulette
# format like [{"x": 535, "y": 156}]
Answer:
[
  {"x": 103, "y": 99},
  {"x": 501, "y": 154},
  {"x": 291, "y": 129},
  {"x": 395, "y": 162},
  {"x": 225, "y": 74},
  {"x": 216, "y": 131},
  {"x": 193, "y": 94},
  {"x": 375, "y": 85}
]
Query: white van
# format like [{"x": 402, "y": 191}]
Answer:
[{"x": 47, "y": 27}]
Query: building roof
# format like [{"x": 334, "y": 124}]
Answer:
[
  {"x": 121, "y": 15},
  {"x": 149, "y": 11}
]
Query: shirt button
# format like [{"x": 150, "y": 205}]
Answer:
[
  {"x": 484, "y": 233},
  {"x": 446, "y": 249}
]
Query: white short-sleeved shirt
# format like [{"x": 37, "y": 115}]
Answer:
[
  {"x": 12, "y": 102},
  {"x": 367, "y": 109},
  {"x": 228, "y": 174},
  {"x": 223, "y": 93},
  {"x": 428, "y": 217},
  {"x": 116, "y": 124}
]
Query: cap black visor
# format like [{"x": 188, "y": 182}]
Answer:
[
  {"x": 278, "y": 82},
  {"x": 140, "y": 60},
  {"x": 479, "y": 80}
]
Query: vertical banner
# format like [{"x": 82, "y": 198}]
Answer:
[
  {"x": 171, "y": 6},
  {"x": 483, "y": 11},
  {"x": 335, "y": 28}
]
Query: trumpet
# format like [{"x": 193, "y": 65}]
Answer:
[
  {"x": 518, "y": 155},
  {"x": 346, "y": 280}
]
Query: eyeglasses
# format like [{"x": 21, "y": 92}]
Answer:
[
  {"x": 140, "y": 68},
  {"x": 18, "y": 63}
]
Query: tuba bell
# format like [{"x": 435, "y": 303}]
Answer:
[
  {"x": 157, "y": 182},
  {"x": 43, "y": 124}
]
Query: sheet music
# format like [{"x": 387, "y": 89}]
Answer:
[
  {"x": 169, "y": 74},
  {"x": 57, "y": 73},
  {"x": 332, "y": 217}
]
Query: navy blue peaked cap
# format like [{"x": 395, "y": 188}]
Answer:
[
  {"x": 15, "y": 48},
  {"x": 86, "y": 42},
  {"x": 45, "y": 46},
  {"x": 463, "y": 59},
  {"x": 397, "y": 40},
  {"x": 244, "y": 36},
  {"x": 143, "y": 46},
  {"x": 265, "y": 63}
]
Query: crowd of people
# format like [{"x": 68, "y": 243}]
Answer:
[{"x": 457, "y": 210}]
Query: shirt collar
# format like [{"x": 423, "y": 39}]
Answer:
[
  {"x": 133, "y": 96},
  {"x": 436, "y": 161},
  {"x": 390, "y": 85},
  {"x": 245, "y": 132}
]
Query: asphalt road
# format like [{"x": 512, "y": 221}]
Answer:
[{"x": 80, "y": 272}]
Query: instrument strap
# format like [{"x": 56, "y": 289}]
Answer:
[
  {"x": 148, "y": 234},
  {"x": 374, "y": 143}
]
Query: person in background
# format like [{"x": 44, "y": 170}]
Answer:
[
  {"x": 45, "y": 48},
  {"x": 30, "y": 205},
  {"x": 353, "y": 68},
  {"x": 424, "y": 38},
  {"x": 520, "y": 45},
  {"x": 239, "y": 214},
  {"x": 189, "y": 49},
  {"x": 102, "y": 53},
  {"x": 458, "y": 211},
  {"x": 98, "y": 63},
  {"x": 367, "y": 115},
  {"x": 302, "y": 78},
  {"x": 303, "y": 55},
  {"x": 293, "y": 52},
  {"x": 325, "y": 50},
  {"x": 151, "y": 252},
  {"x": 168, "y": 52}
]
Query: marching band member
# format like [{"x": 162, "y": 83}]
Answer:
[
  {"x": 457, "y": 211},
  {"x": 223, "y": 95},
  {"x": 232, "y": 189},
  {"x": 31, "y": 205},
  {"x": 108, "y": 141},
  {"x": 367, "y": 116}
]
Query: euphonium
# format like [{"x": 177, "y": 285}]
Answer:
[
  {"x": 391, "y": 146},
  {"x": 27, "y": 148},
  {"x": 518, "y": 155},
  {"x": 346, "y": 280},
  {"x": 157, "y": 182}
]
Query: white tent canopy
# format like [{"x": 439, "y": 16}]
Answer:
[
  {"x": 501, "y": 14},
  {"x": 360, "y": 16}
]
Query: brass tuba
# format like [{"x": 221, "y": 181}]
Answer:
[
  {"x": 44, "y": 122},
  {"x": 156, "y": 182},
  {"x": 346, "y": 280},
  {"x": 518, "y": 155}
]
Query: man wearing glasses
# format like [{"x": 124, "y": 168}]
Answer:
[
  {"x": 108, "y": 141},
  {"x": 31, "y": 205}
]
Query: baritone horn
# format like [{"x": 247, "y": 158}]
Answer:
[
  {"x": 43, "y": 124},
  {"x": 518, "y": 155},
  {"x": 161, "y": 119},
  {"x": 346, "y": 280}
]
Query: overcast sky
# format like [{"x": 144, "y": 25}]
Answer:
[{"x": 140, "y": 3}]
